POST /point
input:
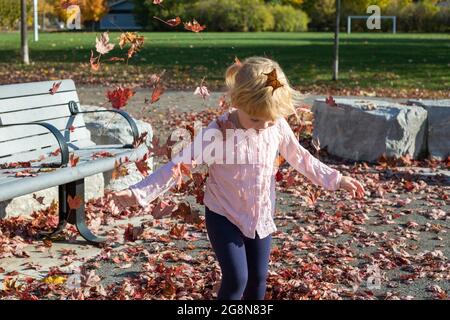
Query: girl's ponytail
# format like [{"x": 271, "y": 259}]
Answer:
[{"x": 230, "y": 75}]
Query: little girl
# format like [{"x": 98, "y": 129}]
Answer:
[{"x": 240, "y": 197}]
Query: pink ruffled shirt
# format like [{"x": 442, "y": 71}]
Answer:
[{"x": 242, "y": 190}]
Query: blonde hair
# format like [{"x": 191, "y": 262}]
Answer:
[{"x": 246, "y": 82}]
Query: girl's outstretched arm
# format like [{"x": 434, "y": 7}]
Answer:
[
  {"x": 311, "y": 167},
  {"x": 162, "y": 180}
]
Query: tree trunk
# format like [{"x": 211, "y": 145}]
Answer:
[
  {"x": 23, "y": 32},
  {"x": 336, "y": 41}
]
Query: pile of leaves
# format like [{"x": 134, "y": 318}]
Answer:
[{"x": 327, "y": 247}]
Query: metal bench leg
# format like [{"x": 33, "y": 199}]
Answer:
[
  {"x": 77, "y": 216},
  {"x": 63, "y": 217}
]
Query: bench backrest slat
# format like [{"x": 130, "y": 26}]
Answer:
[
  {"x": 37, "y": 142},
  {"x": 62, "y": 124},
  {"x": 36, "y": 101},
  {"x": 34, "y": 115},
  {"x": 33, "y": 88},
  {"x": 32, "y": 102}
]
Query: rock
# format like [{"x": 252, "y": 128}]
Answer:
[
  {"x": 109, "y": 128},
  {"x": 438, "y": 126},
  {"x": 365, "y": 129}
]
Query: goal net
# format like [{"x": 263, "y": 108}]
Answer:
[{"x": 350, "y": 18}]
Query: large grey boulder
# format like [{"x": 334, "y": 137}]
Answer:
[
  {"x": 438, "y": 126},
  {"x": 109, "y": 128},
  {"x": 365, "y": 129}
]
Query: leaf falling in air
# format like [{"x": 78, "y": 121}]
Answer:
[
  {"x": 194, "y": 26},
  {"x": 102, "y": 44},
  {"x": 119, "y": 97},
  {"x": 171, "y": 22}
]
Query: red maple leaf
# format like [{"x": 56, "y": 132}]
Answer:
[
  {"x": 158, "y": 150},
  {"x": 162, "y": 209},
  {"x": 278, "y": 176},
  {"x": 74, "y": 159},
  {"x": 56, "y": 152},
  {"x": 140, "y": 140},
  {"x": 55, "y": 87},
  {"x": 102, "y": 154},
  {"x": 199, "y": 196},
  {"x": 142, "y": 165},
  {"x": 312, "y": 197},
  {"x": 178, "y": 232},
  {"x": 156, "y": 94},
  {"x": 25, "y": 173},
  {"x": 95, "y": 61},
  {"x": 181, "y": 169},
  {"x": 330, "y": 101},
  {"x": 74, "y": 202},
  {"x": 132, "y": 233},
  {"x": 194, "y": 26},
  {"x": 119, "y": 97}
]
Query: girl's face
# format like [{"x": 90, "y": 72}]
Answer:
[{"x": 250, "y": 122}]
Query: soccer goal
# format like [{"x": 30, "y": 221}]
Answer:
[{"x": 350, "y": 18}]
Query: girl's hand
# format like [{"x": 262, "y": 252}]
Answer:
[
  {"x": 124, "y": 199},
  {"x": 353, "y": 186}
]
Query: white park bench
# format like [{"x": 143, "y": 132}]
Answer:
[{"x": 33, "y": 125}]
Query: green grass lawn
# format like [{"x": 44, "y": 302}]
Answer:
[{"x": 368, "y": 61}]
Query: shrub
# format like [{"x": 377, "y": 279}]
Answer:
[
  {"x": 231, "y": 15},
  {"x": 289, "y": 19}
]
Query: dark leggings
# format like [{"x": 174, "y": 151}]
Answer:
[{"x": 244, "y": 261}]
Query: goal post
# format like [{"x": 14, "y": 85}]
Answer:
[{"x": 350, "y": 18}]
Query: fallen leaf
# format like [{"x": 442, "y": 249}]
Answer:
[{"x": 55, "y": 87}]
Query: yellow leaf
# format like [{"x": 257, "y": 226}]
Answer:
[{"x": 54, "y": 280}]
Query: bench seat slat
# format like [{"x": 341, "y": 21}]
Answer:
[
  {"x": 22, "y": 186},
  {"x": 85, "y": 155}
]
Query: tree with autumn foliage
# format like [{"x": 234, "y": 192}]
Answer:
[
  {"x": 10, "y": 13},
  {"x": 91, "y": 10}
]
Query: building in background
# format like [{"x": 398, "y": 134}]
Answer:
[{"x": 119, "y": 17}]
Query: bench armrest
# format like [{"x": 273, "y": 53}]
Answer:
[
  {"x": 59, "y": 137},
  {"x": 74, "y": 110}
]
